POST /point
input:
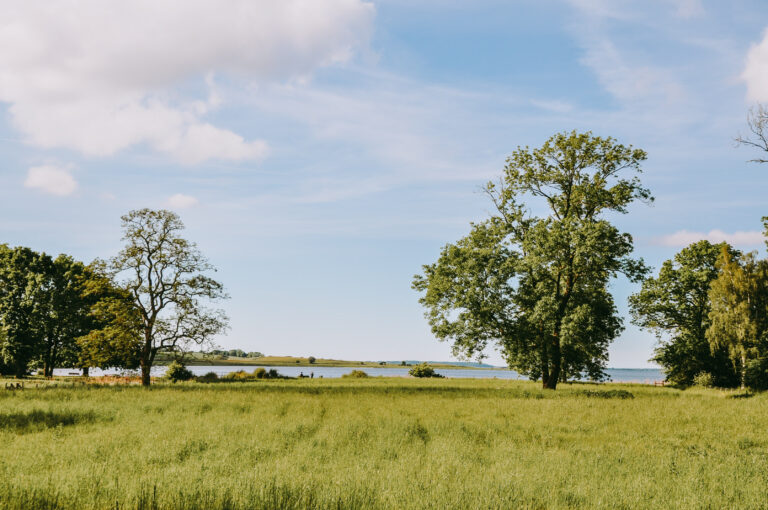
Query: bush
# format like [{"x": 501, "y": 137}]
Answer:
[
  {"x": 260, "y": 373},
  {"x": 359, "y": 374},
  {"x": 177, "y": 372},
  {"x": 756, "y": 375},
  {"x": 423, "y": 370},
  {"x": 312, "y": 360},
  {"x": 704, "y": 379},
  {"x": 240, "y": 375},
  {"x": 208, "y": 378}
]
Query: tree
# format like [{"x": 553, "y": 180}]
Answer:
[
  {"x": 114, "y": 337},
  {"x": 537, "y": 287},
  {"x": 675, "y": 306},
  {"x": 757, "y": 122},
  {"x": 165, "y": 276},
  {"x": 739, "y": 313},
  {"x": 22, "y": 310}
]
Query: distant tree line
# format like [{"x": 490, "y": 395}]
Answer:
[
  {"x": 237, "y": 353},
  {"x": 708, "y": 306},
  {"x": 149, "y": 298}
]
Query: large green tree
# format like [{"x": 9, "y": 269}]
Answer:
[
  {"x": 166, "y": 277},
  {"x": 675, "y": 306},
  {"x": 537, "y": 286},
  {"x": 739, "y": 310},
  {"x": 23, "y": 305}
]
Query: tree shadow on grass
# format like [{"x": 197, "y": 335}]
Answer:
[{"x": 32, "y": 421}]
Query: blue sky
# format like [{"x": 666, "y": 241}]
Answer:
[{"x": 321, "y": 151}]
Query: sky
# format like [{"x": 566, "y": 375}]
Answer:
[{"x": 320, "y": 152}]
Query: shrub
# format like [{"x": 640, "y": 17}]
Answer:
[
  {"x": 240, "y": 375},
  {"x": 260, "y": 373},
  {"x": 359, "y": 374},
  {"x": 704, "y": 379},
  {"x": 312, "y": 360},
  {"x": 177, "y": 372},
  {"x": 208, "y": 378},
  {"x": 423, "y": 370},
  {"x": 756, "y": 375}
]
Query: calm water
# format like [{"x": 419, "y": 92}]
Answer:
[{"x": 639, "y": 375}]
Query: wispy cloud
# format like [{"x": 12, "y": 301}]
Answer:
[
  {"x": 51, "y": 179},
  {"x": 181, "y": 201},
  {"x": 683, "y": 238}
]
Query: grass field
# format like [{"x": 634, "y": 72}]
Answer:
[{"x": 381, "y": 443}]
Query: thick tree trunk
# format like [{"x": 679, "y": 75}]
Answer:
[
  {"x": 550, "y": 383},
  {"x": 145, "y": 369},
  {"x": 85, "y": 371}
]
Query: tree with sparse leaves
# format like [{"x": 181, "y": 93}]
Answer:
[
  {"x": 166, "y": 278},
  {"x": 537, "y": 286}
]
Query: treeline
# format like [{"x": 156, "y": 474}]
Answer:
[
  {"x": 148, "y": 299},
  {"x": 50, "y": 311},
  {"x": 708, "y": 306},
  {"x": 237, "y": 353}
]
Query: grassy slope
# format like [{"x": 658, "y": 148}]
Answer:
[
  {"x": 292, "y": 361},
  {"x": 388, "y": 443}
]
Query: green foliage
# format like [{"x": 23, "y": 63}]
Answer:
[
  {"x": 178, "y": 372},
  {"x": 115, "y": 337},
  {"x": 704, "y": 380},
  {"x": 537, "y": 287},
  {"x": 675, "y": 306},
  {"x": 208, "y": 377},
  {"x": 756, "y": 374},
  {"x": 739, "y": 308},
  {"x": 44, "y": 308},
  {"x": 311, "y": 360},
  {"x": 423, "y": 370},
  {"x": 355, "y": 374}
]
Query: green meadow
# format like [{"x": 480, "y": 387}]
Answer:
[{"x": 381, "y": 443}]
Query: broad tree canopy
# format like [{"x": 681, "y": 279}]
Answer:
[
  {"x": 537, "y": 285},
  {"x": 675, "y": 306}
]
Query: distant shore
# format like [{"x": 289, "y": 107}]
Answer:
[{"x": 196, "y": 359}]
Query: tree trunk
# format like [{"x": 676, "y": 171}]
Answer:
[
  {"x": 743, "y": 370},
  {"x": 85, "y": 371},
  {"x": 550, "y": 383},
  {"x": 145, "y": 369}
]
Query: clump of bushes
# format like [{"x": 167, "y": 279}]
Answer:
[
  {"x": 620, "y": 394},
  {"x": 178, "y": 372},
  {"x": 423, "y": 370},
  {"x": 208, "y": 378},
  {"x": 756, "y": 375},
  {"x": 259, "y": 373},
  {"x": 355, "y": 374},
  {"x": 704, "y": 379}
]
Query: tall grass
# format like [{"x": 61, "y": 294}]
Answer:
[{"x": 381, "y": 443}]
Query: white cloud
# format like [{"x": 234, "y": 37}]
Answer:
[
  {"x": 98, "y": 76},
  {"x": 180, "y": 201},
  {"x": 51, "y": 179},
  {"x": 686, "y": 237},
  {"x": 756, "y": 70}
]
